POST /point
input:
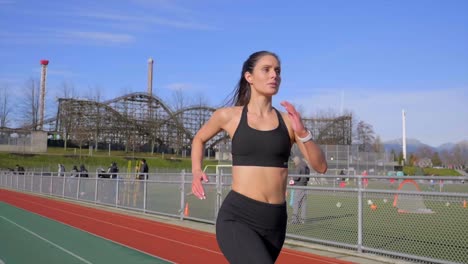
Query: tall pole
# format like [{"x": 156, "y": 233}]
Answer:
[
  {"x": 150, "y": 76},
  {"x": 44, "y": 64},
  {"x": 403, "y": 118},
  {"x": 150, "y": 94}
]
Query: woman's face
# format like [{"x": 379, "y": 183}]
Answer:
[{"x": 266, "y": 76}]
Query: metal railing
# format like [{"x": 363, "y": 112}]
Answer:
[{"x": 421, "y": 219}]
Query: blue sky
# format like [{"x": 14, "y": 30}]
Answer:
[{"x": 373, "y": 58}]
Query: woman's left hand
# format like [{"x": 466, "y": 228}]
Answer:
[{"x": 296, "y": 120}]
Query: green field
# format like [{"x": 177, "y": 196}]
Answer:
[{"x": 100, "y": 159}]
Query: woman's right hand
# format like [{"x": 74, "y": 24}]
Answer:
[{"x": 197, "y": 187}]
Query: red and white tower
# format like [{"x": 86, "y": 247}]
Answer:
[{"x": 44, "y": 64}]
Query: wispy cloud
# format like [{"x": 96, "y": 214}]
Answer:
[
  {"x": 169, "y": 5},
  {"x": 6, "y": 2},
  {"x": 181, "y": 24},
  {"x": 99, "y": 37},
  {"x": 67, "y": 36},
  {"x": 179, "y": 86}
]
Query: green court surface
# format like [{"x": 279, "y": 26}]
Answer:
[{"x": 30, "y": 238}]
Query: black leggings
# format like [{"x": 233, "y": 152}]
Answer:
[{"x": 250, "y": 231}]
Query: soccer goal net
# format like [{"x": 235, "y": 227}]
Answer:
[{"x": 410, "y": 203}]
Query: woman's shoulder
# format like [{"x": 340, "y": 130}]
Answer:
[{"x": 228, "y": 112}]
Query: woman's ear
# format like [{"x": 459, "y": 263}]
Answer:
[{"x": 248, "y": 77}]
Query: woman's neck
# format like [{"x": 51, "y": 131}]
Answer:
[{"x": 260, "y": 106}]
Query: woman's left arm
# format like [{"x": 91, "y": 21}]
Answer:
[{"x": 311, "y": 151}]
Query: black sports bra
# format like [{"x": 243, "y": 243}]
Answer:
[{"x": 251, "y": 147}]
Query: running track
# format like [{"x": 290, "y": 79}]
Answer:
[{"x": 171, "y": 242}]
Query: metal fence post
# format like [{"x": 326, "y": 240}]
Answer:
[
  {"x": 50, "y": 185},
  {"x": 360, "y": 215},
  {"x": 40, "y": 183},
  {"x": 144, "y": 192},
  {"x": 78, "y": 188},
  {"x": 63, "y": 185},
  {"x": 96, "y": 189},
  {"x": 219, "y": 191},
  {"x": 117, "y": 180},
  {"x": 182, "y": 195}
]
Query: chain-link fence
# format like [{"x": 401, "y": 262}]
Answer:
[
  {"x": 345, "y": 158},
  {"x": 422, "y": 219}
]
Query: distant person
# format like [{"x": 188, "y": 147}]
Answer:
[
  {"x": 143, "y": 170},
  {"x": 365, "y": 180},
  {"x": 342, "y": 173},
  {"x": 432, "y": 184},
  {"x": 20, "y": 170},
  {"x": 83, "y": 171},
  {"x": 101, "y": 173},
  {"x": 300, "y": 196},
  {"x": 61, "y": 170},
  {"x": 74, "y": 171},
  {"x": 113, "y": 170}
]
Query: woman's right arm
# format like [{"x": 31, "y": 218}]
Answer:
[{"x": 214, "y": 125}]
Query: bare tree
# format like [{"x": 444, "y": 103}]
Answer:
[
  {"x": 378, "y": 145},
  {"x": 436, "y": 159},
  {"x": 460, "y": 153},
  {"x": 67, "y": 90},
  {"x": 179, "y": 99},
  {"x": 30, "y": 104},
  {"x": 365, "y": 135},
  {"x": 446, "y": 157},
  {"x": 5, "y": 108},
  {"x": 424, "y": 152}
]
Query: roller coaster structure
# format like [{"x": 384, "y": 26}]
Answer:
[{"x": 139, "y": 121}]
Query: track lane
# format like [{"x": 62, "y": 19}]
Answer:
[{"x": 175, "y": 243}]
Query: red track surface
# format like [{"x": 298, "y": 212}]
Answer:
[{"x": 171, "y": 242}]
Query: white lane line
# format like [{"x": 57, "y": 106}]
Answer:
[{"x": 48, "y": 241}]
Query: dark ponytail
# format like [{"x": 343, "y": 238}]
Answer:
[{"x": 242, "y": 91}]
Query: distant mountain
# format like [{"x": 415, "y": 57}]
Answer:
[
  {"x": 411, "y": 145},
  {"x": 446, "y": 146}
]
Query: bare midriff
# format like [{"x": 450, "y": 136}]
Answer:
[{"x": 264, "y": 184}]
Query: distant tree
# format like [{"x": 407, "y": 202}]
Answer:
[
  {"x": 424, "y": 152},
  {"x": 80, "y": 135},
  {"x": 365, "y": 135},
  {"x": 179, "y": 99},
  {"x": 413, "y": 159},
  {"x": 5, "y": 108},
  {"x": 393, "y": 155},
  {"x": 458, "y": 155},
  {"x": 400, "y": 158},
  {"x": 378, "y": 145},
  {"x": 30, "y": 104},
  {"x": 446, "y": 157},
  {"x": 67, "y": 90},
  {"x": 436, "y": 161}
]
